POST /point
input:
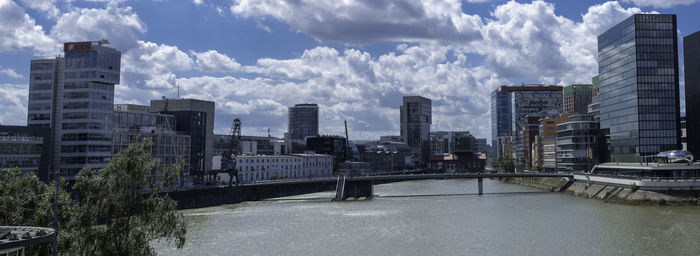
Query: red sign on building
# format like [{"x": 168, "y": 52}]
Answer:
[{"x": 77, "y": 46}]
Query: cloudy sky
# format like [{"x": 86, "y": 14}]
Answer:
[{"x": 356, "y": 59}]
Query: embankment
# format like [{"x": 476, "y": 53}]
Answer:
[{"x": 609, "y": 193}]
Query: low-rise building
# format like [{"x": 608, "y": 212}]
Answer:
[
  {"x": 266, "y": 167},
  {"x": 577, "y": 143},
  {"x": 26, "y": 148}
]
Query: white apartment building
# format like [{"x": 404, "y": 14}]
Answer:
[{"x": 297, "y": 166}]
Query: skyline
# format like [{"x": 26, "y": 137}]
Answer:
[{"x": 356, "y": 67}]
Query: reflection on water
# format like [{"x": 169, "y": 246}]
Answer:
[{"x": 492, "y": 224}]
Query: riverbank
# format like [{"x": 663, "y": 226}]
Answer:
[{"x": 609, "y": 193}]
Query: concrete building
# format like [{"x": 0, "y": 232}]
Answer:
[
  {"x": 73, "y": 96},
  {"x": 416, "y": 117},
  {"x": 388, "y": 157},
  {"x": 509, "y": 107},
  {"x": 639, "y": 93},
  {"x": 260, "y": 168},
  {"x": 577, "y": 97},
  {"x": 303, "y": 122},
  {"x": 458, "y": 163},
  {"x": 194, "y": 118},
  {"x": 447, "y": 142},
  {"x": 134, "y": 122},
  {"x": 545, "y": 158},
  {"x": 691, "y": 53},
  {"x": 26, "y": 148},
  {"x": 577, "y": 143}
]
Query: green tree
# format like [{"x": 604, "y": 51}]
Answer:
[
  {"x": 26, "y": 201},
  {"x": 506, "y": 165},
  {"x": 120, "y": 209}
]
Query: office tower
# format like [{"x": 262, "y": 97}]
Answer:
[
  {"x": 194, "y": 118},
  {"x": 577, "y": 97},
  {"x": 639, "y": 98},
  {"x": 73, "y": 95},
  {"x": 134, "y": 122},
  {"x": 509, "y": 107},
  {"x": 691, "y": 53},
  {"x": 416, "y": 117},
  {"x": 303, "y": 122}
]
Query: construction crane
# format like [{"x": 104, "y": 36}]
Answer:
[{"x": 228, "y": 159}]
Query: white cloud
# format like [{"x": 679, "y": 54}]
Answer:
[
  {"x": 47, "y": 6},
  {"x": 13, "y": 102},
  {"x": 11, "y": 73},
  {"x": 530, "y": 43},
  {"x": 151, "y": 65},
  {"x": 19, "y": 31},
  {"x": 119, "y": 25},
  {"x": 361, "y": 22},
  {"x": 350, "y": 85},
  {"x": 214, "y": 62},
  {"x": 197, "y": 2},
  {"x": 661, "y": 3}
]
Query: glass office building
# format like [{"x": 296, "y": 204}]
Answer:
[
  {"x": 639, "y": 98},
  {"x": 691, "y": 53},
  {"x": 73, "y": 95}
]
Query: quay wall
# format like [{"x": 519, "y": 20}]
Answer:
[
  {"x": 214, "y": 196},
  {"x": 613, "y": 193}
]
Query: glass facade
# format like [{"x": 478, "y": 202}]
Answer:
[
  {"x": 416, "y": 117},
  {"x": 691, "y": 53},
  {"x": 303, "y": 121},
  {"x": 168, "y": 145},
  {"x": 74, "y": 95},
  {"x": 639, "y": 101}
]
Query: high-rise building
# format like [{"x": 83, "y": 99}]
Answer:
[
  {"x": 73, "y": 95},
  {"x": 691, "y": 53},
  {"x": 509, "y": 107},
  {"x": 639, "y": 97},
  {"x": 194, "y": 118},
  {"x": 416, "y": 117},
  {"x": 577, "y": 97},
  {"x": 303, "y": 122}
]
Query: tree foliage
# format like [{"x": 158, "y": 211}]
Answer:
[
  {"x": 121, "y": 208},
  {"x": 26, "y": 201}
]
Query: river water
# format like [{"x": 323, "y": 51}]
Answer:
[{"x": 505, "y": 223}]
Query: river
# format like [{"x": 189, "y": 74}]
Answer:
[{"x": 532, "y": 223}]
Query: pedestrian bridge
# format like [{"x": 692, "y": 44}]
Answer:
[{"x": 362, "y": 186}]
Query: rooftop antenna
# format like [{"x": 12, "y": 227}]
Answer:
[{"x": 178, "y": 89}]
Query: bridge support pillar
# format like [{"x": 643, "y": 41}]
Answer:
[{"x": 481, "y": 185}]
